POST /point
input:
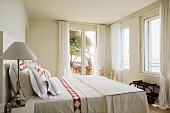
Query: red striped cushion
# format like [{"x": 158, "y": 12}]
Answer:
[
  {"x": 39, "y": 86},
  {"x": 39, "y": 69},
  {"x": 34, "y": 66},
  {"x": 22, "y": 66}
]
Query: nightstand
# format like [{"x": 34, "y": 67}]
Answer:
[{"x": 28, "y": 108}]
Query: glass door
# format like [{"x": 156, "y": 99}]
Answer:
[{"x": 82, "y": 51}]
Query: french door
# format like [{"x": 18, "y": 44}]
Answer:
[{"x": 82, "y": 51}]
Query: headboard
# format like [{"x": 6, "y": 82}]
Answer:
[{"x": 5, "y": 89}]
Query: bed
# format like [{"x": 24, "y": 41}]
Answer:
[
  {"x": 81, "y": 94},
  {"x": 92, "y": 94},
  {"x": 89, "y": 94}
]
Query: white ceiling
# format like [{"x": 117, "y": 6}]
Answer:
[{"x": 91, "y": 11}]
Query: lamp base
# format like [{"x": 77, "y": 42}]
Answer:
[
  {"x": 13, "y": 104},
  {"x": 18, "y": 103}
]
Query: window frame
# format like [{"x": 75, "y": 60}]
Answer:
[
  {"x": 83, "y": 28},
  {"x": 151, "y": 16},
  {"x": 122, "y": 46}
]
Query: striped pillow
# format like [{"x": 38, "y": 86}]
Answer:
[
  {"x": 38, "y": 84},
  {"x": 34, "y": 66},
  {"x": 54, "y": 87},
  {"x": 47, "y": 74},
  {"x": 29, "y": 64},
  {"x": 39, "y": 69}
]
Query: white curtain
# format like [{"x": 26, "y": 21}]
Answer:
[
  {"x": 164, "y": 93},
  {"x": 115, "y": 41},
  {"x": 100, "y": 60},
  {"x": 64, "y": 59}
]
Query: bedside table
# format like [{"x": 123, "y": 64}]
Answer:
[{"x": 28, "y": 108}]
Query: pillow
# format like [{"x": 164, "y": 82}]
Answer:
[
  {"x": 38, "y": 84},
  {"x": 13, "y": 73},
  {"x": 39, "y": 69},
  {"x": 22, "y": 67},
  {"x": 40, "y": 80},
  {"x": 25, "y": 85},
  {"x": 54, "y": 87},
  {"x": 29, "y": 64},
  {"x": 47, "y": 74},
  {"x": 34, "y": 66}
]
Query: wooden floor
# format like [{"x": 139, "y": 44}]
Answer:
[{"x": 157, "y": 110}]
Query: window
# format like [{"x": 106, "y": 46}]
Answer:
[
  {"x": 82, "y": 51},
  {"x": 125, "y": 47},
  {"x": 152, "y": 44}
]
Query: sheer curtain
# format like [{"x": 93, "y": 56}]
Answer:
[
  {"x": 100, "y": 60},
  {"x": 64, "y": 59},
  {"x": 164, "y": 93},
  {"x": 116, "y": 51}
]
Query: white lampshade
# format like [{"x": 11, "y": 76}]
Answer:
[{"x": 18, "y": 51}]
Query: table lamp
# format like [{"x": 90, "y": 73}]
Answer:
[{"x": 18, "y": 51}]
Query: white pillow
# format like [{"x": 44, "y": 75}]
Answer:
[
  {"x": 22, "y": 67},
  {"x": 13, "y": 73},
  {"x": 54, "y": 87},
  {"x": 34, "y": 66},
  {"x": 39, "y": 69},
  {"x": 42, "y": 72},
  {"x": 39, "y": 85},
  {"x": 47, "y": 74}
]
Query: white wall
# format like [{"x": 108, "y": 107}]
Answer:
[
  {"x": 5, "y": 92},
  {"x": 134, "y": 72},
  {"x": 13, "y": 20},
  {"x": 43, "y": 41},
  {"x": 135, "y": 55}
]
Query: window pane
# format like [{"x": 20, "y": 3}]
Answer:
[
  {"x": 152, "y": 45},
  {"x": 125, "y": 47},
  {"x": 89, "y": 52},
  {"x": 75, "y": 51}
]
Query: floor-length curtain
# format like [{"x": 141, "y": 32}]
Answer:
[
  {"x": 115, "y": 41},
  {"x": 64, "y": 60},
  {"x": 100, "y": 57},
  {"x": 164, "y": 93}
]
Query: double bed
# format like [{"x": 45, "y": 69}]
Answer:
[
  {"x": 92, "y": 94},
  {"x": 81, "y": 94}
]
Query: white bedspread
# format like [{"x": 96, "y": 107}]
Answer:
[
  {"x": 106, "y": 86},
  {"x": 91, "y": 101},
  {"x": 120, "y": 98},
  {"x": 98, "y": 95}
]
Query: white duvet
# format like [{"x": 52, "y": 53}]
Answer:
[{"x": 98, "y": 95}]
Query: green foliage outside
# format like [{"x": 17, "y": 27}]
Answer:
[{"x": 75, "y": 47}]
